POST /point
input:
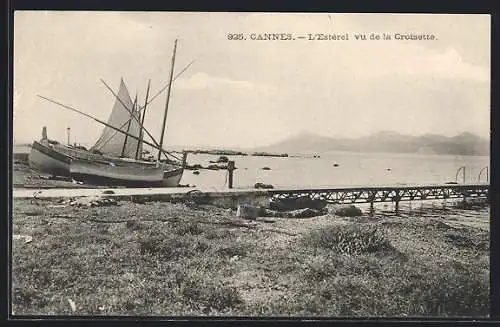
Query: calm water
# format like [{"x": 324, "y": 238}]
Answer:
[{"x": 353, "y": 169}]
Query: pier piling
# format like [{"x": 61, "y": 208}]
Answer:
[
  {"x": 372, "y": 199},
  {"x": 230, "y": 169},
  {"x": 397, "y": 198}
]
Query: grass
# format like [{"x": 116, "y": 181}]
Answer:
[
  {"x": 168, "y": 259},
  {"x": 353, "y": 239}
]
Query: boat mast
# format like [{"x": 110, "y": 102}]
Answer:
[
  {"x": 104, "y": 123},
  {"x": 134, "y": 107},
  {"x": 156, "y": 146},
  {"x": 168, "y": 99},
  {"x": 141, "y": 109},
  {"x": 167, "y": 86},
  {"x": 142, "y": 122}
]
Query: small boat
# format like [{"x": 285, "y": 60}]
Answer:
[
  {"x": 61, "y": 160},
  {"x": 117, "y": 156}
]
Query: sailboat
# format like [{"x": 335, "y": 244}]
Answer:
[{"x": 117, "y": 156}]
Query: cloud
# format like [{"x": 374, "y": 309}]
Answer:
[
  {"x": 201, "y": 80},
  {"x": 447, "y": 64},
  {"x": 254, "y": 90},
  {"x": 413, "y": 61}
]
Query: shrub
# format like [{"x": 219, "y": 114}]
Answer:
[
  {"x": 232, "y": 250},
  {"x": 133, "y": 225},
  {"x": 214, "y": 233},
  {"x": 210, "y": 294},
  {"x": 352, "y": 239},
  {"x": 189, "y": 228},
  {"x": 480, "y": 242},
  {"x": 173, "y": 247}
]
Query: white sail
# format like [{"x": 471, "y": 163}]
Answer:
[{"x": 112, "y": 142}]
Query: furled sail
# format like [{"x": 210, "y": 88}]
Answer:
[{"x": 112, "y": 142}]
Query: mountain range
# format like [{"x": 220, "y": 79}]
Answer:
[{"x": 385, "y": 141}]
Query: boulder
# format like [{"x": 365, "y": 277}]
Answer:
[
  {"x": 300, "y": 213},
  {"x": 302, "y": 202},
  {"x": 194, "y": 167},
  {"x": 248, "y": 211},
  {"x": 348, "y": 211},
  {"x": 307, "y": 213},
  {"x": 222, "y": 159},
  {"x": 216, "y": 167},
  {"x": 93, "y": 202},
  {"x": 263, "y": 186}
]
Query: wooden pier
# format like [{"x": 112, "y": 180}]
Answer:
[
  {"x": 395, "y": 194},
  {"x": 369, "y": 194},
  {"x": 337, "y": 195}
]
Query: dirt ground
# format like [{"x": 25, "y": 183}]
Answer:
[
  {"x": 25, "y": 177},
  {"x": 162, "y": 258}
]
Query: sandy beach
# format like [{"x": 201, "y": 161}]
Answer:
[{"x": 160, "y": 258}]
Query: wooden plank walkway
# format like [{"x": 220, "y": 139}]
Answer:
[{"x": 370, "y": 194}]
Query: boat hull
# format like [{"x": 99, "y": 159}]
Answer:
[
  {"x": 108, "y": 174},
  {"x": 172, "y": 178},
  {"x": 90, "y": 168},
  {"x": 47, "y": 160}
]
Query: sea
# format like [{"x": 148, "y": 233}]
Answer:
[
  {"x": 336, "y": 169},
  {"x": 341, "y": 168}
]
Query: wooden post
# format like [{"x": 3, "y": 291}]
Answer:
[
  {"x": 397, "y": 198},
  {"x": 372, "y": 199},
  {"x": 230, "y": 169},
  {"x": 184, "y": 158}
]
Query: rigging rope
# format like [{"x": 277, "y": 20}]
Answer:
[{"x": 140, "y": 109}]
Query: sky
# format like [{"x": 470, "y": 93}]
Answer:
[{"x": 251, "y": 93}]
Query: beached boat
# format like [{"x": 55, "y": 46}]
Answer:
[
  {"x": 117, "y": 156},
  {"x": 60, "y": 160},
  {"x": 44, "y": 158},
  {"x": 109, "y": 161}
]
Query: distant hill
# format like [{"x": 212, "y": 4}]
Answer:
[{"x": 386, "y": 141}]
